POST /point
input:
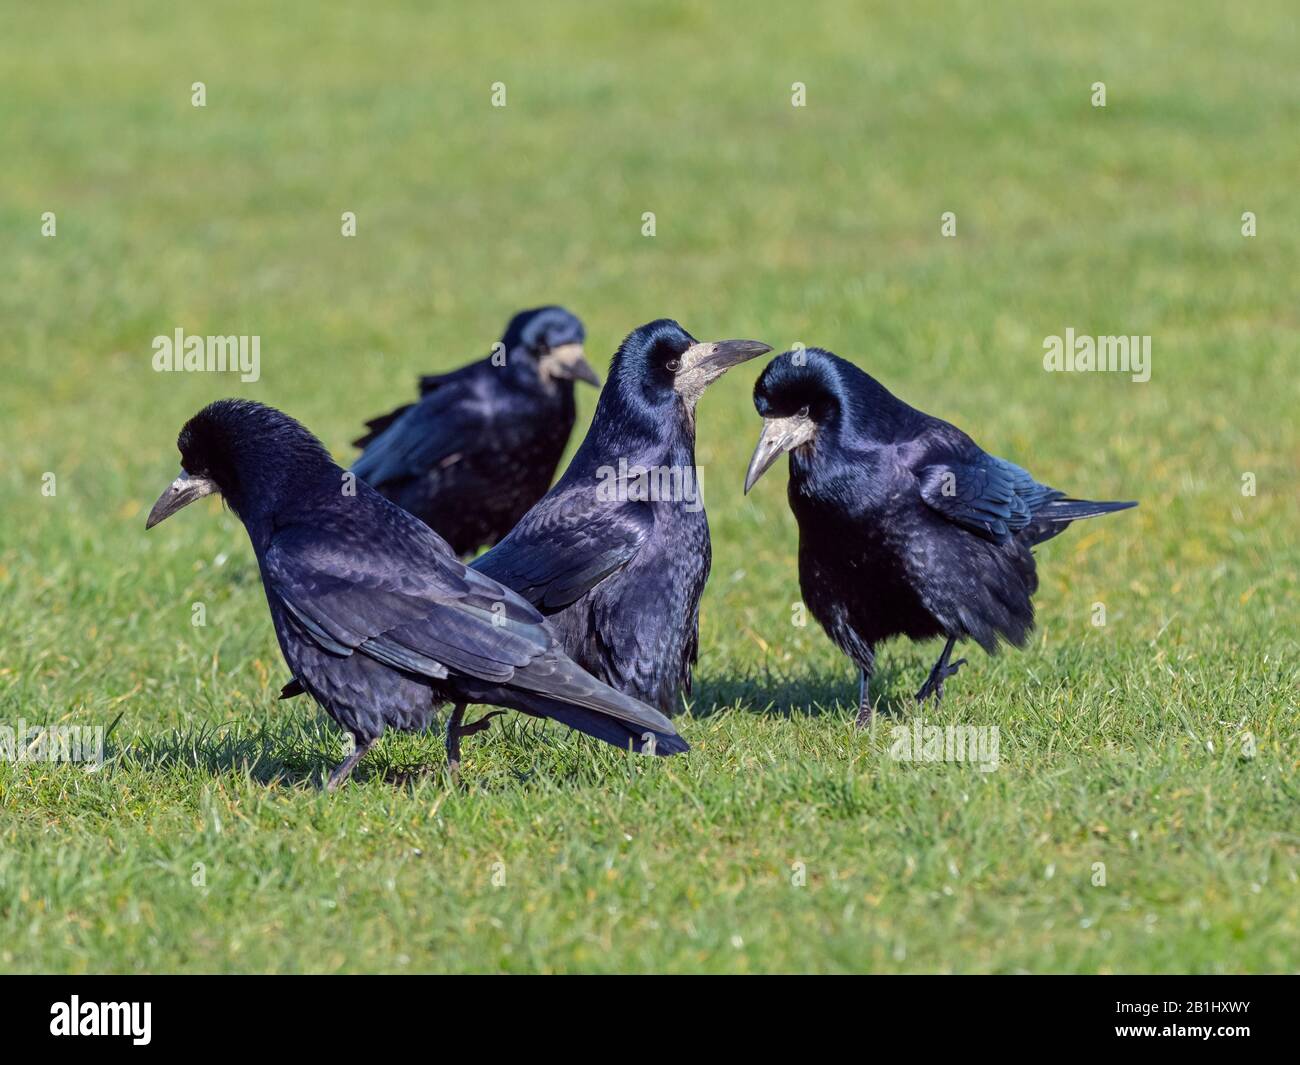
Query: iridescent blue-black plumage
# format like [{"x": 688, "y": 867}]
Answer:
[
  {"x": 906, "y": 526},
  {"x": 482, "y": 443},
  {"x": 619, "y": 575},
  {"x": 376, "y": 618}
]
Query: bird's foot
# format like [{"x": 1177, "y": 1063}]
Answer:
[
  {"x": 344, "y": 769},
  {"x": 479, "y": 725},
  {"x": 455, "y": 731},
  {"x": 934, "y": 682},
  {"x": 865, "y": 707}
]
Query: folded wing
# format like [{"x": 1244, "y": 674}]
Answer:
[
  {"x": 420, "y": 438},
  {"x": 566, "y": 545},
  {"x": 987, "y": 495},
  {"x": 417, "y": 609}
]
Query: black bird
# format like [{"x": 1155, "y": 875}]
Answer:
[
  {"x": 906, "y": 527},
  {"x": 375, "y": 616},
  {"x": 482, "y": 443},
  {"x": 617, "y": 553}
]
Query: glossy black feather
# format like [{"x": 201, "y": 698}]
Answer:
[
  {"x": 906, "y": 526},
  {"x": 375, "y": 617},
  {"x": 621, "y": 578},
  {"x": 482, "y": 444}
]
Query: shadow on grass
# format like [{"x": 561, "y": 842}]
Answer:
[
  {"x": 293, "y": 754},
  {"x": 301, "y": 753},
  {"x": 812, "y": 695}
]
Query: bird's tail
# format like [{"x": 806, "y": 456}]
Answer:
[
  {"x": 1054, "y": 517},
  {"x": 555, "y": 686},
  {"x": 642, "y": 740},
  {"x": 377, "y": 426}
]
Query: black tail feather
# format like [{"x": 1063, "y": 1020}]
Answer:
[
  {"x": 1073, "y": 509},
  {"x": 602, "y": 726},
  {"x": 378, "y": 425},
  {"x": 1054, "y": 517}
]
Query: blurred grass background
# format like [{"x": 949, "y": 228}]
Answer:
[{"x": 1123, "y": 745}]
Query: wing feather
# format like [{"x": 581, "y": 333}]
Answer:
[
  {"x": 566, "y": 545},
  {"x": 988, "y": 495}
]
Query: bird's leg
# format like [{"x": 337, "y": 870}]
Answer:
[
  {"x": 455, "y": 730},
  {"x": 453, "y": 740},
  {"x": 941, "y": 672},
  {"x": 482, "y": 723},
  {"x": 864, "y": 700},
  {"x": 344, "y": 769}
]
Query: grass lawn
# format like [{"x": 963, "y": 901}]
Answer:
[{"x": 1156, "y": 752}]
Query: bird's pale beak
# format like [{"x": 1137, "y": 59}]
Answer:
[
  {"x": 704, "y": 363},
  {"x": 569, "y": 363},
  {"x": 180, "y": 493},
  {"x": 779, "y": 436},
  {"x": 728, "y": 353}
]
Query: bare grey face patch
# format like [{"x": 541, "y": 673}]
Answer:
[
  {"x": 704, "y": 363},
  {"x": 180, "y": 493},
  {"x": 779, "y": 436},
  {"x": 567, "y": 362}
]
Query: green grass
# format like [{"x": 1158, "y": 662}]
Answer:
[{"x": 1124, "y": 744}]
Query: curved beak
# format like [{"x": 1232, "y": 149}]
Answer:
[
  {"x": 569, "y": 363},
  {"x": 779, "y": 436},
  {"x": 180, "y": 493},
  {"x": 722, "y": 355},
  {"x": 705, "y": 362}
]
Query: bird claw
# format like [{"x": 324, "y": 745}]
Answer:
[
  {"x": 934, "y": 682},
  {"x": 456, "y": 732},
  {"x": 479, "y": 725}
]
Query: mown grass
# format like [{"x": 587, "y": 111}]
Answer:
[{"x": 785, "y": 841}]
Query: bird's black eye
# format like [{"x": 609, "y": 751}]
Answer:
[
  {"x": 803, "y": 411},
  {"x": 674, "y": 364}
]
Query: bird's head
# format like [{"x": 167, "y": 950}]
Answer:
[
  {"x": 661, "y": 362},
  {"x": 248, "y": 452},
  {"x": 550, "y": 339},
  {"x": 800, "y": 394}
]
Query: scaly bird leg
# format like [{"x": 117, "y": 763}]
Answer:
[
  {"x": 941, "y": 672},
  {"x": 864, "y": 700},
  {"x": 455, "y": 730},
  {"x": 344, "y": 769}
]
